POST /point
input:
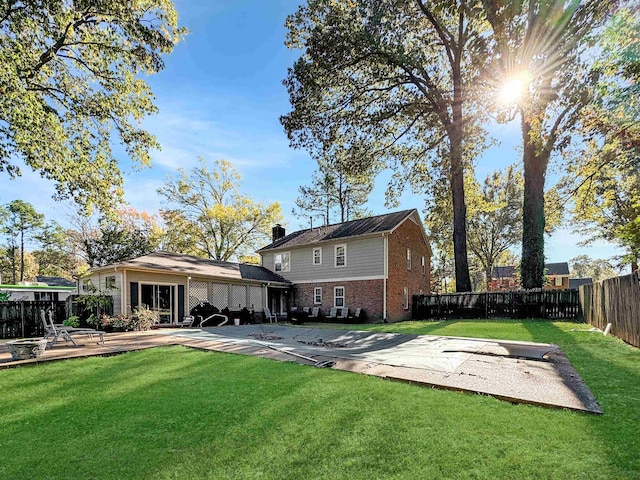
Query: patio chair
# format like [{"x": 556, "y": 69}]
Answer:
[
  {"x": 314, "y": 313},
  {"x": 356, "y": 315},
  {"x": 333, "y": 313},
  {"x": 344, "y": 313},
  {"x": 268, "y": 316},
  {"x": 66, "y": 332}
]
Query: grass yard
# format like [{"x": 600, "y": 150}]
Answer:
[{"x": 175, "y": 413}]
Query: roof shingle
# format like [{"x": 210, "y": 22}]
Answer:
[{"x": 353, "y": 228}]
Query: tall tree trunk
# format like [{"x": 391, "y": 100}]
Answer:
[
  {"x": 533, "y": 221},
  {"x": 22, "y": 256},
  {"x": 463, "y": 280}
]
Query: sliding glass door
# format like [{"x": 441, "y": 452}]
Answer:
[{"x": 159, "y": 298}]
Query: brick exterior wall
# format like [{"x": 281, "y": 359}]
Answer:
[
  {"x": 365, "y": 294},
  {"x": 407, "y": 235}
]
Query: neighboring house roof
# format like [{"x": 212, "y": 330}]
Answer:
[
  {"x": 576, "y": 282},
  {"x": 353, "y": 228},
  {"x": 561, "y": 268},
  {"x": 196, "y": 266},
  {"x": 55, "y": 281},
  {"x": 503, "y": 272}
]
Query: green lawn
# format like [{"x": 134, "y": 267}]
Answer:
[{"x": 175, "y": 413}]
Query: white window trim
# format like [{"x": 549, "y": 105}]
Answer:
[
  {"x": 336, "y": 296},
  {"x": 405, "y": 298},
  {"x": 281, "y": 263},
  {"x": 335, "y": 255},
  {"x": 408, "y": 259},
  {"x": 313, "y": 258},
  {"x": 424, "y": 266},
  {"x": 315, "y": 295}
]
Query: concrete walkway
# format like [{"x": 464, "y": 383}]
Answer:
[{"x": 522, "y": 372}]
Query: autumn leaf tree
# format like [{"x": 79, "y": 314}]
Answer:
[
  {"x": 394, "y": 84},
  {"x": 70, "y": 85},
  {"x": 208, "y": 216}
]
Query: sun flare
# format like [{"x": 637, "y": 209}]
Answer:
[{"x": 514, "y": 88}]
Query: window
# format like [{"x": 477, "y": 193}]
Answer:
[
  {"x": 317, "y": 296},
  {"x": 317, "y": 256},
  {"x": 424, "y": 266},
  {"x": 282, "y": 262},
  {"x": 405, "y": 298},
  {"x": 558, "y": 281},
  {"x": 338, "y": 296},
  {"x": 341, "y": 256},
  {"x": 408, "y": 259},
  {"x": 110, "y": 282}
]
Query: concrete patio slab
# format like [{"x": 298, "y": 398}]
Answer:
[{"x": 522, "y": 372}]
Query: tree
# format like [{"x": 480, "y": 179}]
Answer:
[
  {"x": 22, "y": 224},
  {"x": 541, "y": 46},
  {"x": 70, "y": 80},
  {"x": 210, "y": 217},
  {"x": 333, "y": 189},
  {"x": 604, "y": 175},
  {"x": 55, "y": 255},
  {"x": 112, "y": 239},
  {"x": 495, "y": 218},
  {"x": 391, "y": 82},
  {"x": 584, "y": 266}
]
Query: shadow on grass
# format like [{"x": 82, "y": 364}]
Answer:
[{"x": 611, "y": 370}]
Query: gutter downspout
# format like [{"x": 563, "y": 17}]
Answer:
[{"x": 386, "y": 276}]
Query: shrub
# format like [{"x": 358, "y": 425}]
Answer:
[
  {"x": 72, "y": 321},
  {"x": 143, "y": 319}
]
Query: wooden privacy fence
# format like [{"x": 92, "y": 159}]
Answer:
[
  {"x": 616, "y": 301},
  {"x": 22, "y": 319},
  {"x": 551, "y": 304}
]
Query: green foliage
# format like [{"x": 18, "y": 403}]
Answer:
[
  {"x": 558, "y": 83},
  {"x": 392, "y": 84},
  {"x": 72, "y": 321},
  {"x": 583, "y": 266},
  {"x": 604, "y": 176},
  {"x": 22, "y": 223},
  {"x": 334, "y": 191},
  {"x": 209, "y": 216},
  {"x": 70, "y": 81}
]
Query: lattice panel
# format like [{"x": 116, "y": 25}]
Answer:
[
  {"x": 197, "y": 292},
  {"x": 219, "y": 295},
  {"x": 238, "y": 297},
  {"x": 255, "y": 298}
]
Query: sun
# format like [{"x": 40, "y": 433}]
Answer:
[
  {"x": 511, "y": 91},
  {"x": 514, "y": 88}
]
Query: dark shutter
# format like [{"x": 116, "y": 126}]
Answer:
[
  {"x": 134, "y": 294},
  {"x": 181, "y": 312}
]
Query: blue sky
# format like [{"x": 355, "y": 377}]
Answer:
[{"x": 221, "y": 96}]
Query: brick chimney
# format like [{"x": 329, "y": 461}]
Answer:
[{"x": 277, "y": 232}]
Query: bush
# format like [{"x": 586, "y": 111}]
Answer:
[
  {"x": 143, "y": 319},
  {"x": 72, "y": 321}
]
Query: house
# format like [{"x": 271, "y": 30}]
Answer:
[
  {"x": 557, "y": 276},
  {"x": 43, "y": 289},
  {"x": 172, "y": 284},
  {"x": 574, "y": 283},
  {"x": 506, "y": 277},
  {"x": 503, "y": 278},
  {"x": 375, "y": 263}
]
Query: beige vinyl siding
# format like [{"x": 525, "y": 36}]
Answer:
[
  {"x": 98, "y": 280},
  {"x": 365, "y": 258}
]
